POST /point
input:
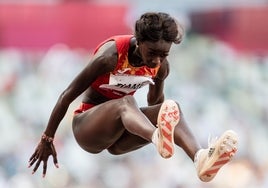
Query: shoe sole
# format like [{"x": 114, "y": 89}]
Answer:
[
  {"x": 225, "y": 149},
  {"x": 168, "y": 118}
]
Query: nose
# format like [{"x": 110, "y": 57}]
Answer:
[{"x": 157, "y": 60}]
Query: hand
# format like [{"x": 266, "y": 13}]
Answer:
[{"x": 42, "y": 153}]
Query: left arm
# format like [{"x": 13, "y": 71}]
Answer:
[{"x": 156, "y": 92}]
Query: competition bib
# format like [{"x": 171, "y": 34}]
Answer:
[{"x": 127, "y": 83}]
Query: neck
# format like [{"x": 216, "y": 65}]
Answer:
[{"x": 135, "y": 58}]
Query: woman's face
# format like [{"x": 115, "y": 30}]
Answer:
[{"x": 154, "y": 53}]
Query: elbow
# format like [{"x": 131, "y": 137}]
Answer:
[{"x": 64, "y": 99}]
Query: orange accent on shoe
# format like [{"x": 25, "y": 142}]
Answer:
[
  {"x": 168, "y": 118},
  {"x": 223, "y": 159},
  {"x": 210, "y": 161}
]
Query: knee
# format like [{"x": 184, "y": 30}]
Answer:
[
  {"x": 178, "y": 106},
  {"x": 91, "y": 149},
  {"x": 115, "y": 150},
  {"x": 129, "y": 100},
  {"x": 126, "y": 103}
]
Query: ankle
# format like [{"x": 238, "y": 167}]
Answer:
[{"x": 197, "y": 154}]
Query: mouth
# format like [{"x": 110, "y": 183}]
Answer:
[{"x": 152, "y": 65}]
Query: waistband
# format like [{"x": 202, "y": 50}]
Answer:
[{"x": 83, "y": 107}]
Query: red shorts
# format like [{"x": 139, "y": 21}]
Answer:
[{"x": 83, "y": 107}]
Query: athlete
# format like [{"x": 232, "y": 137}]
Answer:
[{"x": 109, "y": 117}]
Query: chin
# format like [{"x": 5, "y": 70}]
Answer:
[{"x": 152, "y": 65}]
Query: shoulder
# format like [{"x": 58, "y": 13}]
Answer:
[
  {"x": 106, "y": 54},
  {"x": 123, "y": 42},
  {"x": 105, "y": 57},
  {"x": 117, "y": 42},
  {"x": 106, "y": 48}
]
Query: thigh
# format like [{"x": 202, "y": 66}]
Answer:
[
  {"x": 129, "y": 142},
  {"x": 126, "y": 143},
  {"x": 99, "y": 127}
]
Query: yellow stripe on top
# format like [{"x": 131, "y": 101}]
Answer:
[
  {"x": 139, "y": 71},
  {"x": 125, "y": 78}
]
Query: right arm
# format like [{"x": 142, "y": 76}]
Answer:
[{"x": 102, "y": 62}]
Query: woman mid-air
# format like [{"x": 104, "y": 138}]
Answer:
[{"x": 109, "y": 117}]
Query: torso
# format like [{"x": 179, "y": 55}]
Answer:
[{"x": 128, "y": 75}]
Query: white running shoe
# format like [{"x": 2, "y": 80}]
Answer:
[
  {"x": 168, "y": 118},
  {"x": 209, "y": 161}
]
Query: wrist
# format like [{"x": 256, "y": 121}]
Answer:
[{"x": 46, "y": 138}]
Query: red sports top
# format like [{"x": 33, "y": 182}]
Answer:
[{"x": 124, "y": 79}]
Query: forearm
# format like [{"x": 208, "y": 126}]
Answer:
[
  {"x": 156, "y": 93},
  {"x": 155, "y": 100},
  {"x": 56, "y": 117}
]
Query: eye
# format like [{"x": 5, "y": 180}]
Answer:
[
  {"x": 164, "y": 55},
  {"x": 151, "y": 54}
]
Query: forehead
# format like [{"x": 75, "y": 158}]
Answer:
[{"x": 160, "y": 45}]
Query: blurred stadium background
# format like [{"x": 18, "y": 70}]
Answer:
[{"x": 219, "y": 76}]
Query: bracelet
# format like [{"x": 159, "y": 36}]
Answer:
[{"x": 47, "y": 138}]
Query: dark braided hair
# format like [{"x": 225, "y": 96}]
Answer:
[{"x": 154, "y": 26}]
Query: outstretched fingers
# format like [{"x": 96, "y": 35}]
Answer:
[
  {"x": 33, "y": 156},
  {"x": 33, "y": 159},
  {"x": 44, "y": 168},
  {"x": 36, "y": 166},
  {"x": 41, "y": 154},
  {"x": 54, "y": 154},
  {"x": 55, "y": 160}
]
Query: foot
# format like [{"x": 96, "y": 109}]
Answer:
[
  {"x": 209, "y": 161},
  {"x": 168, "y": 118}
]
